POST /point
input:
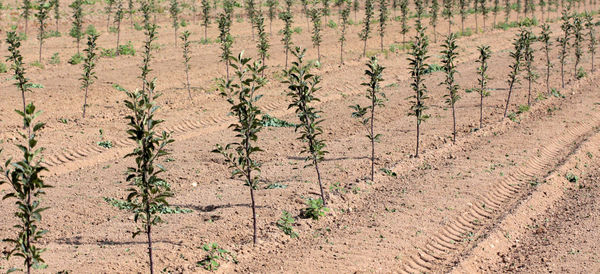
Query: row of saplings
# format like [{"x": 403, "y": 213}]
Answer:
[{"x": 147, "y": 198}]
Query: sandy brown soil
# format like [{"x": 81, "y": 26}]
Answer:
[
  {"x": 565, "y": 239},
  {"x": 371, "y": 227}
]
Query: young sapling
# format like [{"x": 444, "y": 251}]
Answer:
[
  {"x": 22, "y": 83},
  {"x": 383, "y": 20},
  {"x": 449, "y": 55},
  {"x": 564, "y": 43},
  {"x": 240, "y": 155},
  {"x": 89, "y": 75},
  {"x": 287, "y": 18},
  {"x": 26, "y": 13},
  {"x": 77, "y": 24},
  {"x": 27, "y": 185},
  {"x": 366, "y": 31},
  {"x": 404, "y": 19},
  {"x": 315, "y": 17},
  {"x": 484, "y": 56},
  {"x": 108, "y": 10},
  {"x": 344, "y": 28},
  {"x": 271, "y": 12},
  {"x": 418, "y": 68},
  {"x": 185, "y": 39},
  {"x": 435, "y": 8},
  {"x": 43, "y": 11},
  {"x": 545, "y": 38},
  {"x": 119, "y": 13},
  {"x": 24, "y": 176},
  {"x": 205, "y": 17},
  {"x": 577, "y": 42},
  {"x": 148, "y": 194},
  {"x": 515, "y": 67},
  {"x": 528, "y": 57},
  {"x": 226, "y": 40},
  {"x": 377, "y": 97},
  {"x": 263, "y": 41},
  {"x": 302, "y": 86},
  {"x": 591, "y": 36},
  {"x": 175, "y": 10}
]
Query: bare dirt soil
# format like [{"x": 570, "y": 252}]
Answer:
[
  {"x": 426, "y": 218},
  {"x": 564, "y": 240}
]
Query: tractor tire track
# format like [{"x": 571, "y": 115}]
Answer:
[{"x": 455, "y": 237}]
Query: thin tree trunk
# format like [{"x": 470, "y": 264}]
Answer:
[
  {"x": 319, "y": 178},
  {"x": 149, "y": 234},
  {"x": 286, "y": 58},
  {"x": 529, "y": 92},
  {"x": 118, "y": 36},
  {"x": 365, "y": 48},
  {"x": 562, "y": 74},
  {"x": 547, "y": 71},
  {"x": 254, "y": 234},
  {"x": 342, "y": 53},
  {"x": 481, "y": 107},
  {"x": 418, "y": 133},
  {"x": 372, "y": 141},
  {"x": 27, "y": 226},
  {"x": 227, "y": 69},
  {"x": 108, "y": 23},
  {"x": 453, "y": 124},
  {"x": 510, "y": 88},
  {"x": 85, "y": 101},
  {"x": 187, "y": 79}
]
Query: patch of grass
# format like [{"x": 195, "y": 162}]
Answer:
[
  {"x": 3, "y": 68},
  {"x": 215, "y": 254},
  {"x": 276, "y": 186},
  {"x": 127, "y": 49},
  {"x": 332, "y": 24},
  {"x": 581, "y": 73},
  {"x": 51, "y": 33},
  {"x": 513, "y": 117},
  {"x": 314, "y": 210},
  {"x": 108, "y": 52},
  {"x": 388, "y": 172},
  {"x": 37, "y": 64},
  {"x": 285, "y": 223},
  {"x": 269, "y": 121},
  {"x": 91, "y": 30},
  {"x": 466, "y": 33},
  {"x": 76, "y": 59},
  {"x": 105, "y": 144},
  {"x": 523, "y": 109},
  {"x": 55, "y": 59},
  {"x": 431, "y": 68},
  {"x": 137, "y": 26},
  {"x": 206, "y": 41},
  {"x": 572, "y": 177}
]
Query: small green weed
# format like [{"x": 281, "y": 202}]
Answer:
[
  {"x": 214, "y": 255},
  {"x": 388, "y": 172},
  {"x": 127, "y": 49},
  {"x": 315, "y": 209},
  {"x": 76, "y": 59},
  {"x": 55, "y": 59},
  {"x": 285, "y": 224}
]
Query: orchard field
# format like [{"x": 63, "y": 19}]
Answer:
[{"x": 299, "y": 136}]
